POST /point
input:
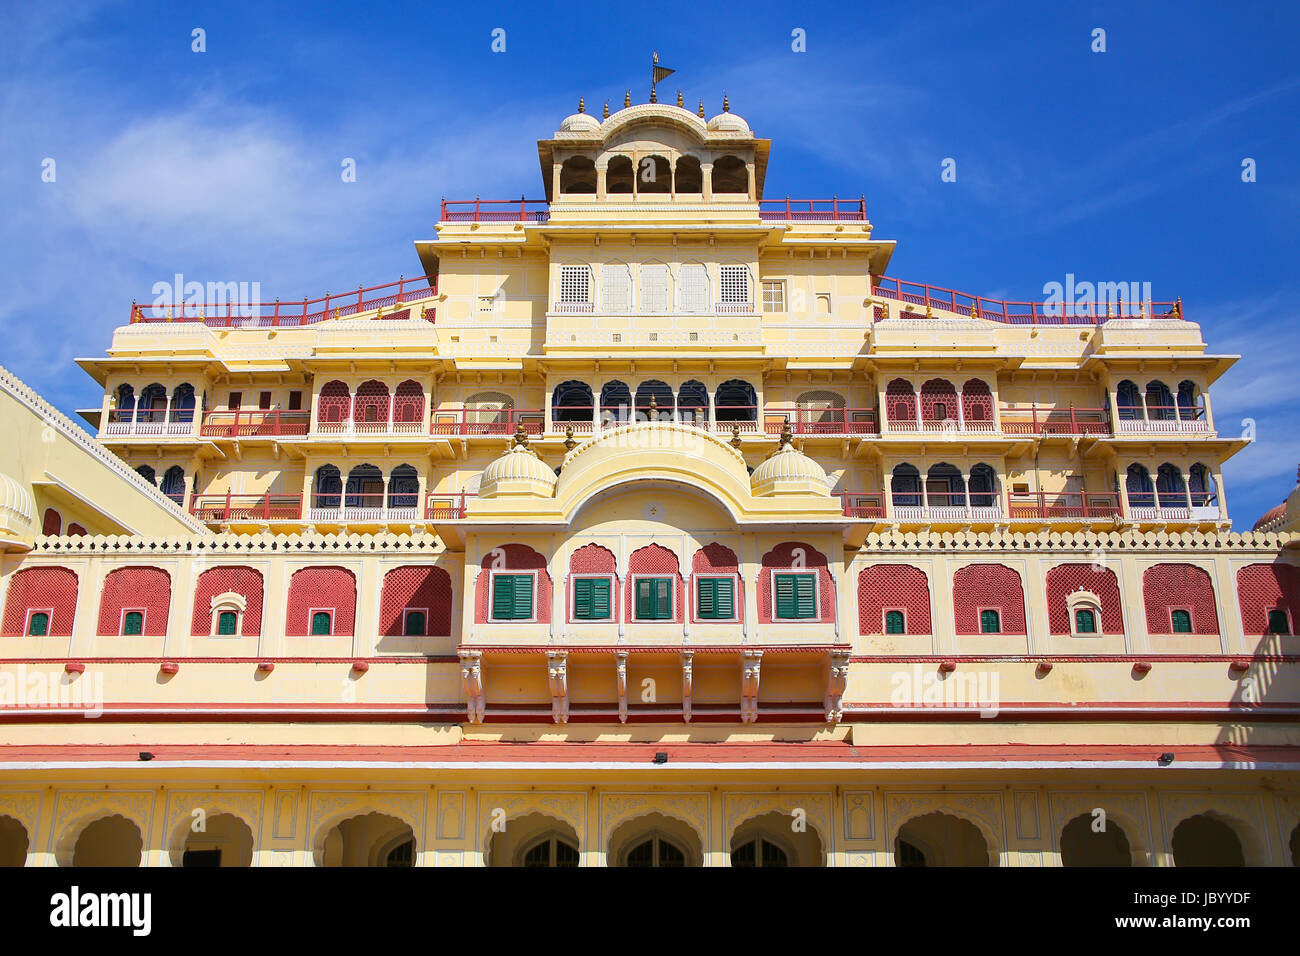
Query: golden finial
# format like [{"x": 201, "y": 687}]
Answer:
[
  {"x": 974, "y": 309},
  {"x": 726, "y": 104},
  {"x": 379, "y": 312},
  {"x": 521, "y": 434},
  {"x": 680, "y": 101},
  {"x": 735, "y": 435},
  {"x": 1142, "y": 310},
  {"x": 582, "y": 105},
  {"x": 654, "y": 409},
  {"x": 1110, "y": 312},
  {"x": 929, "y": 312},
  {"x": 1178, "y": 307},
  {"x": 700, "y": 111},
  {"x": 569, "y": 443},
  {"x": 606, "y": 114},
  {"x": 787, "y": 434},
  {"x": 336, "y": 314},
  {"x": 627, "y": 99}
]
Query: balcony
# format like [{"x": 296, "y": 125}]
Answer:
[
  {"x": 231, "y": 508},
  {"x": 829, "y": 422},
  {"x": 1173, "y": 506},
  {"x": 945, "y": 426},
  {"x": 446, "y": 506},
  {"x": 495, "y": 210},
  {"x": 539, "y": 210},
  {"x": 946, "y": 505},
  {"x": 928, "y": 297},
  {"x": 377, "y": 427},
  {"x": 500, "y": 423},
  {"x": 1064, "y": 506},
  {"x": 859, "y": 505},
  {"x": 142, "y": 422},
  {"x": 584, "y": 421},
  {"x": 236, "y": 423},
  {"x": 812, "y": 210},
  {"x": 1054, "y": 420},
  {"x": 363, "y": 508},
  {"x": 1162, "y": 420}
]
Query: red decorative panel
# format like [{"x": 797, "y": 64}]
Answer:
[
  {"x": 934, "y": 392},
  {"x": 654, "y": 560},
  {"x": 416, "y": 587},
  {"x": 76, "y": 530},
  {"x": 900, "y": 400},
  {"x": 592, "y": 559},
  {"x": 321, "y": 589},
  {"x": 1169, "y": 586},
  {"x": 513, "y": 557},
  {"x": 408, "y": 402},
  {"x": 52, "y": 523},
  {"x": 715, "y": 558},
  {"x": 41, "y": 589},
  {"x": 893, "y": 587},
  {"x": 145, "y": 589},
  {"x": 237, "y": 580},
  {"x": 1064, "y": 579},
  {"x": 335, "y": 404},
  {"x": 1264, "y": 587},
  {"x": 371, "y": 403},
  {"x": 983, "y": 586},
  {"x": 976, "y": 401},
  {"x": 784, "y": 558}
]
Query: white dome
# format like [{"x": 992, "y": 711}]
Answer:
[
  {"x": 17, "y": 509},
  {"x": 518, "y": 471},
  {"x": 580, "y": 123},
  {"x": 788, "y": 471},
  {"x": 729, "y": 123}
]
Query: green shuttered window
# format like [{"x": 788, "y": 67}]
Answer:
[
  {"x": 796, "y": 596},
  {"x": 591, "y": 599},
  {"x": 715, "y": 599},
  {"x": 512, "y": 597},
  {"x": 654, "y": 599}
]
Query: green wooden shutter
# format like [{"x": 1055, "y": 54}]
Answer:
[
  {"x": 785, "y": 606},
  {"x": 706, "y": 590},
  {"x": 990, "y": 622},
  {"x": 133, "y": 623},
  {"x": 503, "y": 597},
  {"x": 523, "y": 597},
  {"x": 582, "y": 598},
  {"x": 894, "y": 622},
  {"x": 726, "y": 598},
  {"x": 644, "y": 604},
  {"x": 40, "y": 625},
  {"x": 805, "y": 596},
  {"x": 226, "y": 622},
  {"x": 600, "y": 599},
  {"x": 663, "y": 599},
  {"x": 654, "y": 599}
]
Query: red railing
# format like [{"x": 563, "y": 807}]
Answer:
[
  {"x": 858, "y": 505},
  {"x": 813, "y": 210},
  {"x": 235, "y": 314},
  {"x": 231, "y": 507},
  {"x": 1053, "y": 420},
  {"x": 237, "y": 423},
  {"x": 1067, "y": 505},
  {"x": 1022, "y": 313},
  {"x": 447, "y": 505},
  {"x": 820, "y": 421},
  {"x": 495, "y": 210},
  {"x": 486, "y": 421}
]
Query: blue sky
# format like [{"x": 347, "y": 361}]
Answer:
[{"x": 224, "y": 165}]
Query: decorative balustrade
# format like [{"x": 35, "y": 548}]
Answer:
[
  {"x": 943, "y": 426},
  {"x": 364, "y": 507},
  {"x": 149, "y": 422},
  {"x": 659, "y": 338},
  {"x": 1054, "y": 420},
  {"x": 379, "y": 425},
  {"x": 1063, "y": 506},
  {"x": 584, "y": 420},
  {"x": 538, "y": 210},
  {"x": 238, "y": 423},
  {"x": 495, "y": 210},
  {"x": 486, "y": 421},
  {"x": 946, "y": 506},
  {"x": 1161, "y": 420},
  {"x": 858, "y": 505},
  {"x": 445, "y": 506},
  {"x": 1020, "y": 313},
  {"x": 819, "y": 420},
  {"x": 227, "y": 508},
  {"x": 1173, "y": 506},
  {"x": 813, "y": 210}
]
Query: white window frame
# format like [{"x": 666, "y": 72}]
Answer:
[
  {"x": 625, "y": 274},
  {"x": 560, "y": 292},
  {"x": 492, "y": 575},
  {"x": 736, "y": 600},
  {"x": 613, "y": 598},
  {"x": 817, "y": 595},
  {"x": 979, "y": 621},
  {"x": 121, "y": 621},
  {"x": 884, "y": 613},
  {"x": 779, "y": 285},
  {"x": 422, "y": 610},
  {"x": 229, "y": 601},
  {"x": 49, "y": 613},
  {"x": 1290, "y": 618},
  {"x": 706, "y": 303},
  {"x": 674, "y": 579},
  {"x": 668, "y": 288},
  {"x": 734, "y": 267},
  {"x": 1085, "y": 601},
  {"x": 1191, "y": 617},
  {"x": 334, "y": 619}
]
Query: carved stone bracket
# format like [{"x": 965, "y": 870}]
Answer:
[
  {"x": 557, "y": 672},
  {"x": 837, "y": 678},
  {"x": 749, "y": 674},
  {"x": 688, "y": 660},
  {"x": 471, "y": 676}
]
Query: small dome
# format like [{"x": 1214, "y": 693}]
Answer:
[
  {"x": 17, "y": 510},
  {"x": 729, "y": 123},
  {"x": 518, "y": 472},
  {"x": 789, "y": 471},
  {"x": 580, "y": 123},
  {"x": 1269, "y": 516}
]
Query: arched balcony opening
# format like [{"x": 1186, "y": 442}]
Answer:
[
  {"x": 408, "y": 407},
  {"x": 363, "y": 495},
  {"x": 977, "y": 405},
  {"x": 125, "y": 403},
  {"x": 690, "y": 177},
  {"x": 1204, "y": 491},
  {"x": 182, "y": 411},
  {"x": 940, "y": 839},
  {"x": 1128, "y": 401},
  {"x": 225, "y": 840},
  {"x": 736, "y": 403},
  {"x": 372, "y": 839},
  {"x": 693, "y": 403},
  {"x": 1171, "y": 491},
  {"x": 655, "y": 840},
  {"x": 578, "y": 176},
  {"x": 327, "y": 488},
  {"x": 403, "y": 493},
  {"x": 152, "y": 407},
  {"x": 619, "y": 176},
  {"x": 1084, "y": 845},
  {"x": 615, "y": 403},
  {"x": 730, "y": 175},
  {"x": 13, "y": 842},
  {"x": 572, "y": 403},
  {"x": 664, "y": 401},
  {"x": 983, "y": 487},
  {"x": 818, "y": 412},
  {"x": 489, "y": 413},
  {"x": 1160, "y": 402},
  {"x": 371, "y": 407},
  {"x": 147, "y": 473},
  {"x": 905, "y": 487},
  {"x": 769, "y": 841},
  {"x": 1141, "y": 492},
  {"x": 534, "y": 840},
  {"x": 109, "y": 841},
  {"x": 654, "y": 175},
  {"x": 173, "y": 484},
  {"x": 334, "y": 407},
  {"x": 939, "y": 405},
  {"x": 900, "y": 405},
  {"x": 945, "y": 490},
  {"x": 1206, "y": 840}
]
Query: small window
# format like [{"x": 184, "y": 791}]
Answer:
[
  {"x": 823, "y": 305},
  {"x": 512, "y": 597},
  {"x": 734, "y": 284},
  {"x": 414, "y": 625},
  {"x": 38, "y": 625},
  {"x": 322, "y": 623},
  {"x": 796, "y": 596},
  {"x": 1085, "y": 621},
  {"x": 1182, "y": 621},
  {"x": 894, "y": 622},
  {"x": 133, "y": 623},
  {"x": 295, "y": 401},
  {"x": 774, "y": 295},
  {"x": 940, "y": 411},
  {"x": 591, "y": 599},
  {"x": 1277, "y": 622},
  {"x": 654, "y": 599},
  {"x": 235, "y": 399},
  {"x": 575, "y": 284},
  {"x": 264, "y": 400},
  {"x": 226, "y": 622},
  {"x": 990, "y": 622},
  {"x": 715, "y": 599}
]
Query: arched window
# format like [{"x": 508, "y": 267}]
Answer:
[
  {"x": 132, "y": 623},
  {"x": 50, "y": 591},
  {"x": 733, "y": 288},
  {"x": 938, "y": 401},
  {"x": 654, "y": 174},
  {"x": 1201, "y": 486},
  {"x": 173, "y": 483},
  {"x": 944, "y": 486},
  {"x": 403, "y": 487},
  {"x": 990, "y": 622},
  {"x": 615, "y": 402},
  {"x": 618, "y": 175},
  {"x": 1141, "y": 493},
  {"x": 335, "y": 404},
  {"x": 656, "y": 852},
  {"x": 1129, "y": 401},
  {"x": 759, "y": 852},
  {"x": 38, "y": 625},
  {"x": 900, "y": 400},
  {"x": 125, "y": 403},
  {"x": 551, "y": 852},
  {"x": 147, "y": 473},
  {"x": 730, "y": 175},
  {"x": 1170, "y": 488},
  {"x": 371, "y": 405},
  {"x": 1188, "y": 406},
  {"x": 227, "y": 623},
  {"x": 736, "y": 401},
  {"x": 1085, "y": 621},
  {"x": 572, "y": 402},
  {"x": 408, "y": 403},
  {"x": 693, "y": 402},
  {"x": 153, "y": 404},
  {"x": 52, "y": 522},
  {"x": 662, "y": 395},
  {"x": 983, "y": 486},
  {"x": 415, "y": 624},
  {"x": 183, "y": 403},
  {"x": 820, "y": 411},
  {"x": 690, "y": 178},
  {"x": 327, "y": 487},
  {"x": 905, "y": 486},
  {"x": 615, "y": 287},
  {"x": 578, "y": 176},
  {"x": 365, "y": 487},
  {"x": 694, "y": 282},
  {"x": 1181, "y": 621},
  {"x": 895, "y": 623},
  {"x": 1160, "y": 402},
  {"x": 656, "y": 288},
  {"x": 76, "y": 530},
  {"x": 321, "y": 623},
  {"x": 976, "y": 401}
]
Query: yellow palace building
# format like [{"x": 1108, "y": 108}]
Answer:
[{"x": 654, "y": 523}]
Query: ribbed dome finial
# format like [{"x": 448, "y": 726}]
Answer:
[
  {"x": 700, "y": 111},
  {"x": 582, "y": 105},
  {"x": 627, "y": 99},
  {"x": 606, "y": 114},
  {"x": 726, "y": 104}
]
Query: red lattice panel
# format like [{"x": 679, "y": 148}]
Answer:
[
  {"x": 1169, "y": 586},
  {"x": 977, "y": 401},
  {"x": 1064, "y": 579},
  {"x": 321, "y": 589},
  {"x": 371, "y": 403},
  {"x": 513, "y": 557},
  {"x": 52, "y": 523},
  {"x": 932, "y": 393},
  {"x": 592, "y": 559},
  {"x": 408, "y": 402},
  {"x": 900, "y": 400},
  {"x": 714, "y": 558},
  {"x": 41, "y": 588},
  {"x": 335, "y": 403},
  {"x": 246, "y": 582},
  {"x": 1263, "y": 587},
  {"x": 980, "y": 586},
  {"x": 416, "y": 587},
  {"x": 781, "y": 558},
  {"x": 893, "y": 587},
  {"x": 147, "y": 589},
  {"x": 655, "y": 560}
]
